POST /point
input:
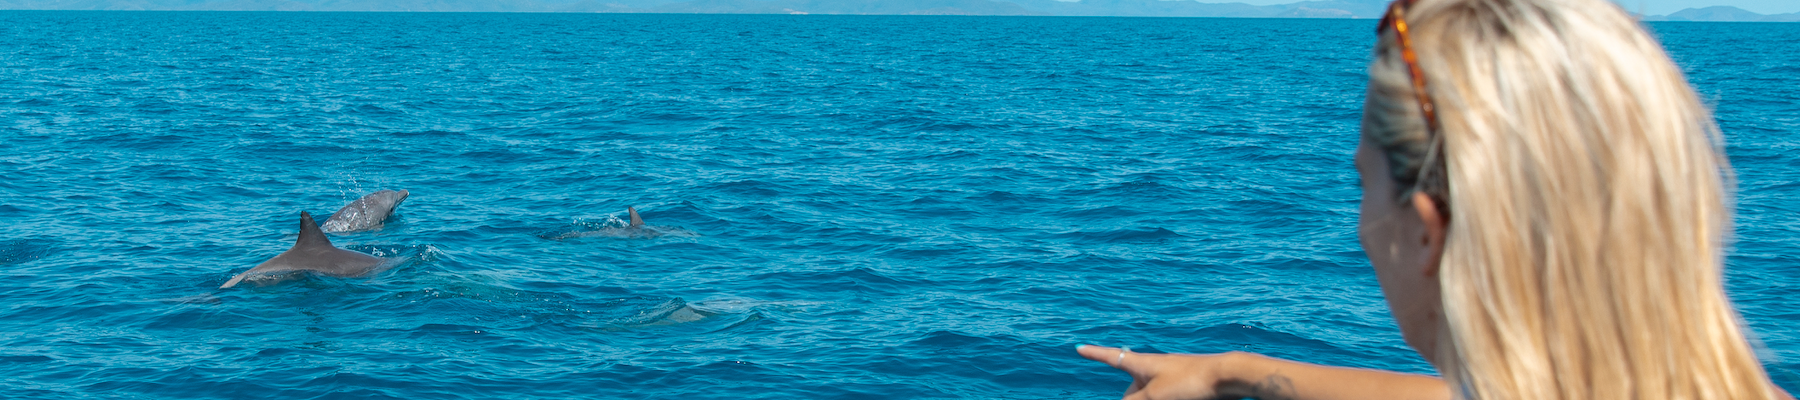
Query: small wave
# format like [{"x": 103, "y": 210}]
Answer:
[
  {"x": 1132, "y": 235},
  {"x": 420, "y": 252},
  {"x": 1009, "y": 198},
  {"x": 752, "y": 188},
  {"x": 372, "y": 110},
  {"x": 1785, "y": 70},
  {"x": 25, "y": 359},
  {"x": 20, "y": 251},
  {"x": 857, "y": 279},
  {"x": 949, "y": 339}
]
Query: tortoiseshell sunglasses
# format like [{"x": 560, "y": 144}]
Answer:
[{"x": 1396, "y": 18}]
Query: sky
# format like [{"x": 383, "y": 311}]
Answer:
[
  {"x": 1664, "y": 7},
  {"x": 1646, "y": 7}
]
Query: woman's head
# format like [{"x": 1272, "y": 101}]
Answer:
[{"x": 1579, "y": 202}]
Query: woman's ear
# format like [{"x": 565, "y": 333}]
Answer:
[{"x": 1436, "y": 226}]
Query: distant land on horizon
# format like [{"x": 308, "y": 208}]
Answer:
[{"x": 1107, "y": 8}]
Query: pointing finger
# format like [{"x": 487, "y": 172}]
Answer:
[
  {"x": 1103, "y": 354},
  {"x": 1111, "y": 356}
]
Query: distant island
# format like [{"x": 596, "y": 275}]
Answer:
[{"x": 1110, "y": 8}]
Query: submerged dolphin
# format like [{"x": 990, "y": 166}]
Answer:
[
  {"x": 313, "y": 252},
  {"x": 365, "y": 213},
  {"x": 634, "y": 229}
]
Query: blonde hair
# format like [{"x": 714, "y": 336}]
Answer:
[{"x": 1588, "y": 203}]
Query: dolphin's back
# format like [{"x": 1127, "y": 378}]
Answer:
[
  {"x": 365, "y": 213},
  {"x": 313, "y": 252}
]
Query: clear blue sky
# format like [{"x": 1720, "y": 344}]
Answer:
[{"x": 1649, "y": 7}]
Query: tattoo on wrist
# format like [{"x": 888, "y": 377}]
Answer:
[
  {"x": 1272, "y": 387},
  {"x": 1275, "y": 387}
]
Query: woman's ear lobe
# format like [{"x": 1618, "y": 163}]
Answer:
[{"x": 1437, "y": 226}]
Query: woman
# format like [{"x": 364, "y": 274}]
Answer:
[{"x": 1544, "y": 205}]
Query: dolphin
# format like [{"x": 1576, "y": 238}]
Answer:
[
  {"x": 634, "y": 229},
  {"x": 365, "y": 213},
  {"x": 313, "y": 252}
]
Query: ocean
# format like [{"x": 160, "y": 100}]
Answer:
[{"x": 887, "y": 207}]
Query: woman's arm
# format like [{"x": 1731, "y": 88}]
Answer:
[{"x": 1238, "y": 375}]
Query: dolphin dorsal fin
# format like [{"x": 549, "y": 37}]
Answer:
[
  {"x": 310, "y": 235},
  {"x": 636, "y": 221}
]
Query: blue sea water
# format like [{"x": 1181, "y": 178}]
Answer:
[{"x": 880, "y": 207}]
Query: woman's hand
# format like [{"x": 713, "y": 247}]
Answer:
[
  {"x": 1188, "y": 376},
  {"x": 1237, "y": 375}
]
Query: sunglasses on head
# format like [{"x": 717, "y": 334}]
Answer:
[{"x": 1396, "y": 19}]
